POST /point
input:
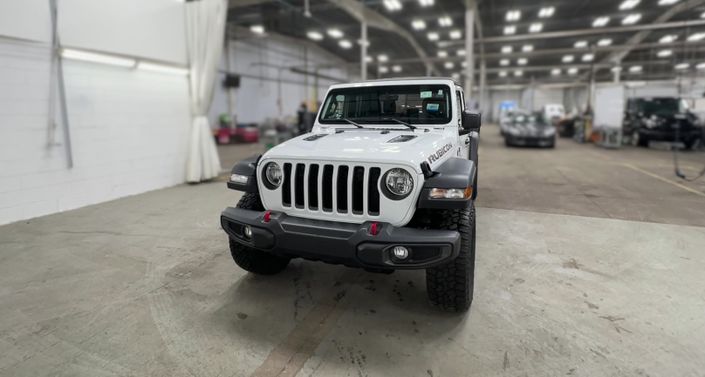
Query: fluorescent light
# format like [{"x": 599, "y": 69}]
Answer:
[
  {"x": 631, "y": 19},
  {"x": 664, "y": 53},
  {"x": 629, "y": 4},
  {"x": 504, "y": 62},
  {"x": 509, "y": 30},
  {"x": 696, "y": 37},
  {"x": 502, "y": 73},
  {"x": 535, "y": 27},
  {"x": 335, "y": 33},
  {"x": 392, "y": 5},
  {"x": 604, "y": 42},
  {"x": 513, "y": 15},
  {"x": 546, "y": 12},
  {"x": 702, "y": 15},
  {"x": 460, "y": 52},
  {"x": 449, "y": 65},
  {"x": 616, "y": 69},
  {"x": 418, "y": 24},
  {"x": 257, "y": 29},
  {"x": 161, "y": 68},
  {"x": 382, "y": 58},
  {"x": 700, "y": 66},
  {"x": 588, "y": 57},
  {"x": 568, "y": 59},
  {"x": 433, "y": 36},
  {"x": 601, "y": 21},
  {"x": 581, "y": 44},
  {"x": 667, "y": 2},
  {"x": 518, "y": 73},
  {"x": 464, "y": 64},
  {"x": 668, "y": 38},
  {"x": 636, "y": 69},
  {"x": 314, "y": 35},
  {"x": 556, "y": 72},
  {"x": 445, "y": 21},
  {"x": 682, "y": 66},
  {"x": 455, "y": 76},
  {"x": 98, "y": 58},
  {"x": 426, "y": 3},
  {"x": 344, "y": 43},
  {"x": 507, "y": 49},
  {"x": 369, "y": 59},
  {"x": 396, "y": 68},
  {"x": 522, "y": 61},
  {"x": 383, "y": 69},
  {"x": 455, "y": 34},
  {"x": 442, "y": 54},
  {"x": 572, "y": 71},
  {"x": 527, "y": 48}
]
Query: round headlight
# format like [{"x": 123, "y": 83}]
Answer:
[
  {"x": 273, "y": 175},
  {"x": 399, "y": 183}
]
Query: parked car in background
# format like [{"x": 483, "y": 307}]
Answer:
[
  {"x": 525, "y": 129},
  {"x": 661, "y": 119}
]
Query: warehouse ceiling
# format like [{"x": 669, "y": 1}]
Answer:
[{"x": 523, "y": 41}]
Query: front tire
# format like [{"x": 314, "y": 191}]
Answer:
[
  {"x": 250, "y": 259},
  {"x": 450, "y": 286}
]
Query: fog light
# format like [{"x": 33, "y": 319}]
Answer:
[
  {"x": 247, "y": 231},
  {"x": 400, "y": 252}
]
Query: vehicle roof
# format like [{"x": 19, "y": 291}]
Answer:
[{"x": 398, "y": 81}]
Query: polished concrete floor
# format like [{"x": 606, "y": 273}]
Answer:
[{"x": 589, "y": 263}]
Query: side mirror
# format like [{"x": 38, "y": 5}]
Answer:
[{"x": 471, "y": 121}]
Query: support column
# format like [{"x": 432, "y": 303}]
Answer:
[
  {"x": 469, "y": 48},
  {"x": 483, "y": 85},
  {"x": 363, "y": 51}
]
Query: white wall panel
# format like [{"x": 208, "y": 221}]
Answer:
[{"x": 25, "y": 19}]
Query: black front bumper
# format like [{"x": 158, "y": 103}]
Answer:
[
  {"x": 341, "y": 243},
  {"x": 531, "y": 141}
]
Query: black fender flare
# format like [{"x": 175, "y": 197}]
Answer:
[
  {"x": 455, "y": 172},
  {"x": 248, "y": 168}
]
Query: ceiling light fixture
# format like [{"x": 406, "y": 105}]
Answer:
[
  {"x": 696, "y": 37},
  {"x": 509, "y": 30},
  {"x": 682, "y": 66},
  {"x": 449, "y": 65},
  {"x": 568, "y": 59},
  {"x": 392, "y": 5},
  {"x": 335, "y": 33},
  {"x": 636, "y": 69},
  {"x": 700, "y": 66},
  {"x": 601, "y": 21},
  {"x": 522, "y": 61},
  {"x": 604, "y": 42},
  {"x": 581, "y": 44},
  {"x": 507, "y": 49},
  {"x": 664, "y": 53},
  {"x": 535, "y": 27},
  {"x": 588, "y": 57},
  {"x": 502, "y": 73},
  {"x": 667, "y": 2},
  {"x": 432, "y": 36},
  {"x": 527, "y": 48},
  {"x": 442, "y": 54},
  {"x": 382, "y": 58},
  {"x": 668, "y": 38},
  {"x": 504, "y": 62},
  {"x": 426, "y": 3},
  {"x": 383, "y": 69},
  {"x": 98, "y": 58},
  {"x": 629, "y": 4},
  {"x": 572, "y": 71},
  {"x": 344, "y": 43},
  {"x": 546, "y": 12},
  {"x": 314, "y": 35},
  {"x": 162, "y": 68},
  {"x": 556, "y": 72},
  {"x": 445, "y": 21},
  {"x": 518, "y": 73},
  {"x": 396, "y": 68},
  {"x": 418, "y": 24},
  {"x": 631, "y": 19},
  {"x": 513, "y": 15},
  {"x": 461, "y": 52},
  {"x": 455, "y": 34}
]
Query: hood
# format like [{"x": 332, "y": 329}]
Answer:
[{"x": 396, "y": 146}]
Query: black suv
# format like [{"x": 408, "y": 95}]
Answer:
[{"x": 661, "y": 119}]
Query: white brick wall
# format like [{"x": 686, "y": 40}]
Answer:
[{"x": 129, "y": 132}]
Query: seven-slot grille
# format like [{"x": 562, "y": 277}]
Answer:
[{"x": 331, "y": 188}]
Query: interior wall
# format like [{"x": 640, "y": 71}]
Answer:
[
  {"x": 129, "y": 129},
  {"x": 263, "y": 64}
]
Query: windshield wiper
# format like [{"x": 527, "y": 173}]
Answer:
[
  {"x": 400, "y": 122},
  {"x": 351, "y": 122}
]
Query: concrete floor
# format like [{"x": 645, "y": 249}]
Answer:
[{"x": 589, "y": 263}]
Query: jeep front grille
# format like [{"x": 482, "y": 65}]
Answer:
[{"x": 331, "y": 188}]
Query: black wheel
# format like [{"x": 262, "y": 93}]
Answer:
[
  {"x": 253, "y": 260},
  {"x": 507, "y": 143},
  {"x": 450, "y": 286},
  {"x": 553, "y": 143}
]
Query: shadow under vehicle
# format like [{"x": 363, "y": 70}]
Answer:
[
  {"x": 524, "y": 129},
  {"x": 666, "y": 119}
]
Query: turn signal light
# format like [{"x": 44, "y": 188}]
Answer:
[{"x": 440, "y": 193}]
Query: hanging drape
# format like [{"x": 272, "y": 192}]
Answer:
[{"x": 205, "y": 30}]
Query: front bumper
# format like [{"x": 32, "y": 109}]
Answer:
[
  {"x": 341, "y": 243},
  {"x": 539, "y": 141}
]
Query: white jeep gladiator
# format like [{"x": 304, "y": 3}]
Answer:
[{"x": 385, "y": 180}]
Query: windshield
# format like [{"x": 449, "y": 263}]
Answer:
[
  {"x": 413, "y": 104},
  {"x": 660, "y": 106}
]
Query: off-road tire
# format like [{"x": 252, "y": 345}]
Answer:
[
  {"x": 450, "y": 286},
  {"x": 253, "y": 260}
]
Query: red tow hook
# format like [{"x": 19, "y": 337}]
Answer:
[
  {"x": 267, "y": 216},
  {"x": 374, "y": 228}
]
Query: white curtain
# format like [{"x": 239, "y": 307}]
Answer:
[{"x": 205, "y": 30}]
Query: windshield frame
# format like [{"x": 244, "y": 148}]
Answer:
[{"x": 449, "y": 96}]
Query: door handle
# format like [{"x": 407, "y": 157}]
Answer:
[{"x": 467, "y": 141}]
